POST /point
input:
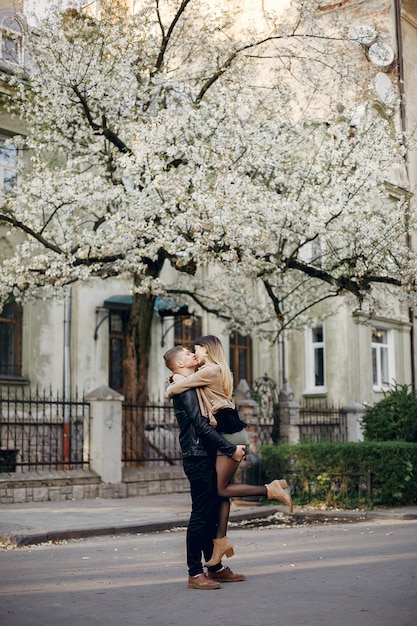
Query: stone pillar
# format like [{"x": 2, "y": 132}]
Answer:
[
  {"x": 289, "y": 416},
  {"x": 354, "y": 413},
  {"x": 248, "y": 411},
  {"x": 250, "y": 469},
  {"x": 106, "y": 433}
]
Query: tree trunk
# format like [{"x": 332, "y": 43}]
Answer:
[
  {"x": 137, "y": 349},
  {"x": 135, "y": 375}
]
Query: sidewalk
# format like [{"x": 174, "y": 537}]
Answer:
[{"x": 38, "y": 522}]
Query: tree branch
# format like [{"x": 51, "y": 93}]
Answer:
[
  {"x": 29, "y": 231},
  {"x": 354, "y": 284},
  {"x": 166, "y": 36},
  {"x": 100, "y": 129},
  {"x": 228, "y": 62},
  {"x": 200, "y": 302},
  {"x": 276, "y": 302}
]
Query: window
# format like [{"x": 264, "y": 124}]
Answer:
[
  {"x": 8, "y": 166},
  {"x": 240, "y": 357},
  {"x": 312, "y": 252},
  {"x": 10, "y": 340},
  {"x": 11, "y": 39},
  {"x": 117, "y": 328},
  {"x": 315, "y": 370},
  {"x": 186, "y": 330},
  {"x": 317, "y": 252},
  {"x": 381, "y": 352}
]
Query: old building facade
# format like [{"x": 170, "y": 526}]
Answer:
[{"x": 347, "y": 355}]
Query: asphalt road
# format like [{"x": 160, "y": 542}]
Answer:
[{"x": 360, "y": 574}]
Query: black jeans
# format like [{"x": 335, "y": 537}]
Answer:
[{"x": 201, "y": 530}]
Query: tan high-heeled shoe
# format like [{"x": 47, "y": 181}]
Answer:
[
  {"x": 222, "y": 547},
  {"x": 275, "y": 491}
]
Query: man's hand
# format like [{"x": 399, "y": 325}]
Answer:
[{"x": 239, "y": 453}]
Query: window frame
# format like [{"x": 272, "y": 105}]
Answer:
[
  {"x": 6, "y": 164},
  {"x": 240, "y": 354},
  {"x": 116, "y": 335},
  {"x": 11, "y": 367},
  {"x": 187, "y": 328},
  {"x": 378, "y": 349},
  {"x": 311, "y": 348},
  {"x": 10, "y": 34}
]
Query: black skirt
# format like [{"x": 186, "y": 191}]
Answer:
[{"x": 228, "y": 421}]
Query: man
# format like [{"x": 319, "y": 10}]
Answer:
[{"x": 199, "y": 443}]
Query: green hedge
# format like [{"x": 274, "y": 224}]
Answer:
[{"x": 346, "y": 475}]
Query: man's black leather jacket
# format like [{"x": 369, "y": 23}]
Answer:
[{"x": 197, "y": 437}]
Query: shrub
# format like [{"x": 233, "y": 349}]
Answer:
[
  {"x": 394, "y": 418},
  {"x": 346, "y": 475}
]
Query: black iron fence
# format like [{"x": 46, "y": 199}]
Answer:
[
  {"x": 322, "y": 424},
  {"x": 315, "y": 425},
  {"x": 150, "y": 434},
  {"x": 41, "y": 432},
  {"x": 342, "y": 490}
]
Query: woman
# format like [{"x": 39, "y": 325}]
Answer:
[{"x": 214, "y": 384}]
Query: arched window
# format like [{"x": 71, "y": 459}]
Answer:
[{"x": 11, "y": 32}]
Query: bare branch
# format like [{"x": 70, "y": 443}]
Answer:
[
  {"x": 200, "y": 303},
  {"x": 354, "y": 284},
  {"x": 100, "y": 129},
  {"x": 29, "y": 231},
  {"x": 166, "y": 36},
  {"x": 231, "y": 58}
]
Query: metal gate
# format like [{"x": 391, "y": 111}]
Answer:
[{"x": 39, "y": 431}]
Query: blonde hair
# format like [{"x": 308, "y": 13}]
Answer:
[{"x": 215, "y": 353}]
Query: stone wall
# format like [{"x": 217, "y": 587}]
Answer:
[{"x": 84, "y": 484}]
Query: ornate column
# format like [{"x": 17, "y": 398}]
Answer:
[{"x": 289, "y": 416}]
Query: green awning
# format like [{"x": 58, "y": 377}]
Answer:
[
  {"x": 118, "y": 302},
  {"x": 165, "y": 306}
]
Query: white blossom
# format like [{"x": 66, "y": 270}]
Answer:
[{"x": 224, "y": 153}]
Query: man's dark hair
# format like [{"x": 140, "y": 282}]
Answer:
[{"x": 171, "y": 356}]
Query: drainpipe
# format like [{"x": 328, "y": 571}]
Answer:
[
  {"x": 67, "y": 380},
  {"x": 403, "y": 118},
  {"x": 281, "y": 361}
]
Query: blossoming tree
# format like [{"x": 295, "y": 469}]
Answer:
[{"x": 184, "y": 135}]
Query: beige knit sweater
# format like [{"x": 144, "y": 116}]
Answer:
[{"x": 207, "y": 382}]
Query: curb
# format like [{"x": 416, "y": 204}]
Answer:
[
  {"x": 20, "y": 540},
  {"x": 28, "y": 539}
]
